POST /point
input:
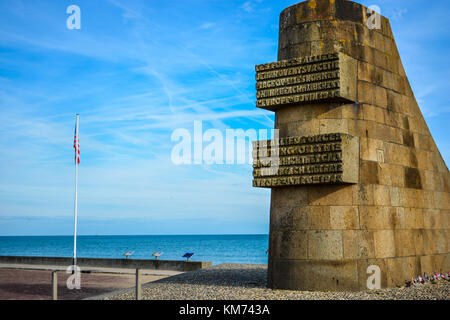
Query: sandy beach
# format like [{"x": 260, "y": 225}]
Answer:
[
  {"x": 248, "y": 282},
  {"x": 220, "y": 282}
]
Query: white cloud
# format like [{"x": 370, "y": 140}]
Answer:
[
  {"x": 248, "y": 6},
  {"x": 206, "y": 25}
]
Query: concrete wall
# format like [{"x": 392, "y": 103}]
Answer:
[
  {"x": 398, "y": 215},
  {"x": 110, "y": 263}
]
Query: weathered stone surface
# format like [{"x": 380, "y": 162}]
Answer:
[
  {"x": 396, "y": 215},
  {"x": 322, "y": 275},
  {"x": 322, "y": 159},
  {"x": 326, "y": 77}
]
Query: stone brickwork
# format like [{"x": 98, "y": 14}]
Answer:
[{"x": 397, "y": 214}]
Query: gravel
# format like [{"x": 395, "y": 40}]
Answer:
[{"x": 248, "y": 282}]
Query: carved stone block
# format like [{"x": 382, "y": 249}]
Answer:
[
  {"x": 322, "y": 159},
  {"x": 327, "y": 77}
]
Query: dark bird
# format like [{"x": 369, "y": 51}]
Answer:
[{"x": 188, "y": 255}]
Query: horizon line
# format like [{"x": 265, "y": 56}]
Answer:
[{"x": 119, "y": 235}]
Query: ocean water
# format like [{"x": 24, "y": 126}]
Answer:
[{"x": 215, "y": 248}]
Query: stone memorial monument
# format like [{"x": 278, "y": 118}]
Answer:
[{"x": 356, "y": 178}]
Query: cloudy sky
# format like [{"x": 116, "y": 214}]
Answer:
[{"x": 136, "y": 71}]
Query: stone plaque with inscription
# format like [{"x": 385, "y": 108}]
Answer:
[
  {"x": 327, "y": 77},
  {"x": 293, "y": 161}
]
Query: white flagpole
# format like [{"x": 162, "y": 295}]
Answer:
[{"x": 76, "y": 198}]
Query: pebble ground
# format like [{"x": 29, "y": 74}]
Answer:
[{"x": 248, "y": 282}]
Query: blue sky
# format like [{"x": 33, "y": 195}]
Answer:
[{"x": 136, "y": 71}]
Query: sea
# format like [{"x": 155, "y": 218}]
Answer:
[{"x": 215, "y": 248}]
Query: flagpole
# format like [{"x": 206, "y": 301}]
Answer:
[{"x": 76, "y": 199}]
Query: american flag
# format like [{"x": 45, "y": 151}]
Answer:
[{"x": 76, "y": 145}]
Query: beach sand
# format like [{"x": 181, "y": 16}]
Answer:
[
  {"x": 220, "y": 282},
  {"x": 248, "y": 282}
]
